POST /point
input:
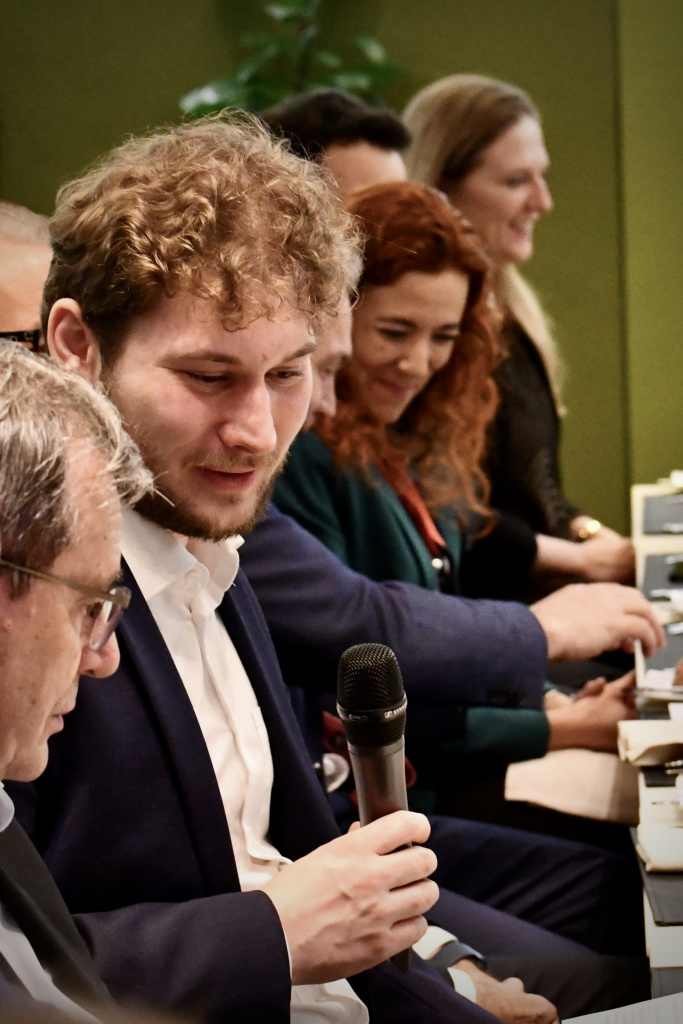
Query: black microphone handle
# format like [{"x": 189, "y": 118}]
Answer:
[{"x": 380, "y": 777}]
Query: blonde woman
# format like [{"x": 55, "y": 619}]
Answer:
[{"x": 480, "y": 142}]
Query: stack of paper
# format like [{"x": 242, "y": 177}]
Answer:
[
  {"x": 650, "y": 742},
  {"x": 660, "y": 847},
  {"x": 665, "y": 1010}
]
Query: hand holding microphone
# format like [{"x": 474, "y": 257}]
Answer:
[
  {"x": 359, "y": 899},
  {"x": 371, "y": 703}
]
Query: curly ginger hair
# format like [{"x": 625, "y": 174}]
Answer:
[{"x": 441, "y": 436}]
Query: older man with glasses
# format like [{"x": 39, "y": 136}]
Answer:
[{"x": 65, "y": 465}]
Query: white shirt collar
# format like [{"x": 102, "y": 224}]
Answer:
[
  {"x": 158, "y": 559},
  {"x": 6, "y": 809}
]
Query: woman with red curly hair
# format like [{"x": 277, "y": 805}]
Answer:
[
  {"x": 391, "y": 480},
  {"x": 387, "y": 482}
]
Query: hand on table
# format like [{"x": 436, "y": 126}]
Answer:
[
  {"x": 507, "y": 999},
  {"x": 607, "y": 556},
  {"x": 584, "y": 619},
  {"x": 357, "y": 900},
  {"x": 590, "y": 720}
]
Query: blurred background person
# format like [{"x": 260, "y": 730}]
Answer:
[
  {"x": 360, "y": 145},
  {"x": 480, "y": 141},
  {"x": 387, "y": 482},
  {"x": 25, "y": 256}
]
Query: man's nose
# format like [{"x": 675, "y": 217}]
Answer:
[
  {"x": 248, "y": 423},
  {"x": 100, "y": 663}
]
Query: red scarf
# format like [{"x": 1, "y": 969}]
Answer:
[{"x": 414, "y": 504}]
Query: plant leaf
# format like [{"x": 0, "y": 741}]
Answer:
[
  {"x": 381, "y": 72},
  {"x": 371, "y": 48},
  {"x": 283, "y": 13},
  {"x": 306, "y": 36},
  {"x": 216, "y": 95},
  {"x": 328, "y": 60},
  {"x": 252, "y": 65},
  {"x": 352, "y": 81}
]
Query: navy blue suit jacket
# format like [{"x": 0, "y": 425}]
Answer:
[
  {"x": 129, "y": 820},
  {"x": 454, "y": 653}
]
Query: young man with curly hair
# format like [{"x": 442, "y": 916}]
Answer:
[{"x": 192, "y": 271}]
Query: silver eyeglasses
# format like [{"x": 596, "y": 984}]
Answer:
[{"x": 105, "y": 615}]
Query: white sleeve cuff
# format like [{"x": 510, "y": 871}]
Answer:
[
  {"x": 432, "y": 941},
  {"x": 463, "y": 984}
]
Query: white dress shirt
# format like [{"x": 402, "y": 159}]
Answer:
[
  {"x": 183, "y": 585},
  {"x": 19, "y": 953}
]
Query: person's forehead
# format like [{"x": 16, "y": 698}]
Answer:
[
  {"x": 415, "y": 290},
  {"x": 522, "y": 142},
  {"x": 23, "y": 269},
  {"x": 338, "y": 344},
  {"x": 362, "y": 164},
  {"x": 185, "y": 326},
  {"x": 336, "y": 336}
]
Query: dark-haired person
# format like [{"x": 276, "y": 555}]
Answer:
[
  {"x": 65, "y": 462},
  {"x": 359, "y": 144},
  {"x": 480, "y": 141}
]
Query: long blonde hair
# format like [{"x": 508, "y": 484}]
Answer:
[{"x": 452, "y": 122}]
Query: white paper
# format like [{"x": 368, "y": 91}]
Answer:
[
  {"x": 659, "y": 678},
  {"x": 665, "y": 1010}
]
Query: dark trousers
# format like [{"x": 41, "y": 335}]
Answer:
[{"x": 564, "y": 917}]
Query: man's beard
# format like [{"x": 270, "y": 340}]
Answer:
[
  {"x": 174, "y": 516},
  {"x": 173, "y": 511}
]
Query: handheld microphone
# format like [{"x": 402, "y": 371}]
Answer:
[{"x": 371, "y": 703}]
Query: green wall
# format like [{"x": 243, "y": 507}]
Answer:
[
  {"x": 78, "y": 76},
  {"x": 652, "y": 156},
  {"x": 563, "y": 53}
]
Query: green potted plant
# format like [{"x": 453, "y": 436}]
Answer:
[{"x": 290, "y": 59}]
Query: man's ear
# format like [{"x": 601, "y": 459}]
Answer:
[{"x": 71, "y": 341}]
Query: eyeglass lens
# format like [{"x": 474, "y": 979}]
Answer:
[{"x": 104, "y": 624}]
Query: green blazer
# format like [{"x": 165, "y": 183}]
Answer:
[{"x": 365, "y": 524}]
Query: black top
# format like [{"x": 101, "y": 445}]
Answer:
[{"x": 523, "y": 464}]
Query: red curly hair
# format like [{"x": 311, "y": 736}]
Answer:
[{"x": 441, "y": 436}]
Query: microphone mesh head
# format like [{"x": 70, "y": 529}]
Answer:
[{"x": 369, "y": 678}]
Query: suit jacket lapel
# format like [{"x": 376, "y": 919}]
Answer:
[
  {"x": 30, "y": 895},
  {"x": 184, "y": 740},
  {"x": 300, "y": 816}
]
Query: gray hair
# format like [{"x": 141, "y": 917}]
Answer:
[
  {"x": 21, "y": 225},
  {"x": 44, "y": 411}
]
